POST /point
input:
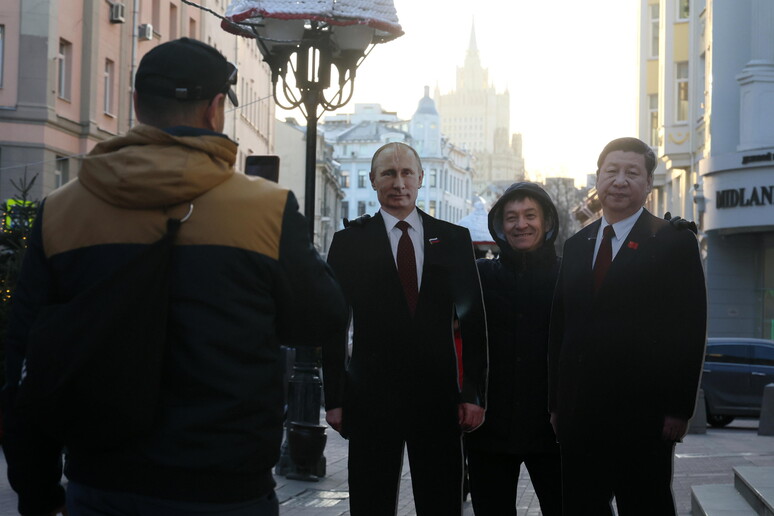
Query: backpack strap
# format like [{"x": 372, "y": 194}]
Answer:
[{"x": 173, "y": 225}]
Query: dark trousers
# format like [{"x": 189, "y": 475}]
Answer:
[
  {"x": 376, "y": 460},
  {"x": 638, "y": 474},
  {"x": 494, "y": 479},
  {"x": 83, "y": 500}
]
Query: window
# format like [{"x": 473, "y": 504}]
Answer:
[
  {"x": 362, "y": 179},
  {"x": 192, "y": 29},
  {"x": 728, "y": 354},
  {"x": 61, "y": 171},
  {"x": 763, "y": 355},
  {"x": 108, "y": 86},
  {"x": 654, "y": 30},
  {"x": 2, "y": 53},
  {"x": 431, "y": 210},
  {"x": 345, "y": 179},
  {"x": 156, "y": 15},
  {"x": 361, "y": 208},
  {"x": 345, "y": 209},
  {"x": 433, "y": 181},
  {"x": 683, "y": 9},
  {"x": 64, "y": 69},
  {"x": 173, "y": 21},
  {"x": 681, "y": 91},
  {"x": 701, "y": 82},
  {"x": 653, "y": 117}
]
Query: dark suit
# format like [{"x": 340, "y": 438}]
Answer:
[
  {"x": 401, "y": 382},
  {"x": 623, "y": 358}
]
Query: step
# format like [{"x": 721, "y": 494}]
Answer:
[
  {"x": 719, "y": 500},
  {"x": 756, "y": 485}
]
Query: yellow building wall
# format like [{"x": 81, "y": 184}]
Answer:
[
  {"x": 681, "y": 42},
  {"x": 651, "y": 71}
]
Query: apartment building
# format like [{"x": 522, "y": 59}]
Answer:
[
  {"x": 447, "y": 189},
  {"x": 290, "y": 145},
  {"x": 477, "y": 118},
  {"x": 66, "y": 78},
  {"x": 706, "y": 105}
]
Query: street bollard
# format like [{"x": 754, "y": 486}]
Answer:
[
  {"x": 698, "y": 423},
  {"x": 766, "y": 422}
]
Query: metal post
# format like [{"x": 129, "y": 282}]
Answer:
[
  {"x": 311, "y": 103},
  {"x": 305, "y": 386}
]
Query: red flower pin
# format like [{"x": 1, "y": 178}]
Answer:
[{"x": 633, "y": 245}]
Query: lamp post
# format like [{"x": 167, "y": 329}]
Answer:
[{"x": 305, "y": 42}]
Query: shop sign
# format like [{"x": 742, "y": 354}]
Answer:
[
  {"x": 743, "y": 197},
  {"x": 754, "y": 158}
]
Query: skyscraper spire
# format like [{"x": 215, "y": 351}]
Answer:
[{"x": 472, "y": 46}]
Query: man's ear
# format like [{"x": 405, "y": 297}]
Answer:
[
  {"x": 134, "y": 106},
  {"x": 214, "y": 112}
]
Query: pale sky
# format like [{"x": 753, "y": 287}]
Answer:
[{"x": 570, "y": 67}]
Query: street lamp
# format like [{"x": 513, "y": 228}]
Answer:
[
  {"x": 312, "y": 39},
  {"x": 304, "y": 43}
]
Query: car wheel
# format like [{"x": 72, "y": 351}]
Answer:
[{"x": 718, "y": 421}]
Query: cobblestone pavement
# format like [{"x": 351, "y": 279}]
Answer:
[{"x": 701, "y": 459}]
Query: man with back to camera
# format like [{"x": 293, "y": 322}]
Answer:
[
  {"x": 518, "y": 288},
  {"x": 243, "y": 276},
  {"x": 628, "y": 328},
  {"x": 405, "y": 276}
]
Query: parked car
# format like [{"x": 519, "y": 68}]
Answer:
[{"x": 735, "y": 372}]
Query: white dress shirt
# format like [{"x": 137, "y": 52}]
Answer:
[
  {"x": 622, "y": 229},
  {"x": 416, "y": 232}
]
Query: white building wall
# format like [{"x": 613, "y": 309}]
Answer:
[
  {"x": 446, "y": 197},
  {"x": 723, "y": 175}
]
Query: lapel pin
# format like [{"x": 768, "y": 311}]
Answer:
[
  {"x": 633, "y": 245},
  {"x": 434, "y": 240}
]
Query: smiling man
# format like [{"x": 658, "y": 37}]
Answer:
[
  {"x": 405, "y": 276},
  {"x": 518, "y": 288},
  {"x": 628, "y": 329}
]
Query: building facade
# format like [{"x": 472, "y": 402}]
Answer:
[
  {"x": 290, "y": 146},
  {"x": 447, "y": 189},
  {"x": 477, "y": 118},
  {"x": 252, "y": 124},
  {"x": 706, "y": 106},
  {"x": 66, "y": 80}
]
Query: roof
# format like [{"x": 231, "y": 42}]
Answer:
[{"x": 369, "y": 131}]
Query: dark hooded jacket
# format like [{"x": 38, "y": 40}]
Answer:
[
  {"x": 518, "y": 288},
  {"x": 243, "y": 277}
]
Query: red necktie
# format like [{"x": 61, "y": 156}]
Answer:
[
  {"x": 604, "y": 256},
  {"x": 407, "y": 266}
]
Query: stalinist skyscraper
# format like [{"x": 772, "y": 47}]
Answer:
[{"x": 476, "y": 117}]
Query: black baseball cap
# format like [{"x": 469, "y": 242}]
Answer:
[{"x": 186, "y": 69}]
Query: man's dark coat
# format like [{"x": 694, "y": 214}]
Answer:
[
  {"x": 623, "y": 358},
  {"x": 403, "y": 369}
]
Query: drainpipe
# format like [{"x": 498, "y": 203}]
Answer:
[{"x": 135, "y": 15}]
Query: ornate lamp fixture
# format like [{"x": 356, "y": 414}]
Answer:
[{"x": 310, "y": 39}]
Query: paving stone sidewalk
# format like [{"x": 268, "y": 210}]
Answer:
[{"x": 701, "y": 459}]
